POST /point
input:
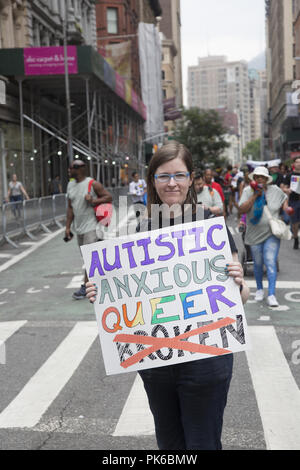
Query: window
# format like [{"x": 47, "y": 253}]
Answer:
[{"x": 112, "y": 20}]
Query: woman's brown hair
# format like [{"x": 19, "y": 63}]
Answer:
[{"x": 167, "y": 153}]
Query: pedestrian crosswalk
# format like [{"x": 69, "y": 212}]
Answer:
[{"x": 273, "y": 385}]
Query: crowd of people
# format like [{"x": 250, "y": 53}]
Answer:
[{"x": 269, "y": 190}]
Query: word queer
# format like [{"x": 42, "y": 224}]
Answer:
[{"x": 215, "y": 294}]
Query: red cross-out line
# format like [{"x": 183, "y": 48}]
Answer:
[{"x": 174, "y": 343}]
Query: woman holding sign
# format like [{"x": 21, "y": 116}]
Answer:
[{"x": 187, "y": 399}]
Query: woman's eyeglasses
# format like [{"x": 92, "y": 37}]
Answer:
[{"x": 166, "y": 177}]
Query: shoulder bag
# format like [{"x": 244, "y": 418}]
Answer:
[
  {"x": 278, "y": 227},
  {"x": 103, "y": 212}
]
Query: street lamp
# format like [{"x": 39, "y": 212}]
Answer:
[{"x": 67, "y": 85}]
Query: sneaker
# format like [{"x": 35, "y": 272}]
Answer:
[
  {"x": 296, "y": 244},
  {"x": 259, "y": 296},
  {"x": 80, "y": 294},
  {"x": 272, "y": 301}
]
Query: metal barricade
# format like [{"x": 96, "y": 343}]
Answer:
[
  {"x": 12, "y": 220},
  {"x": 46, "y": 212},
  {"x": 60, "y": 203},
  {"x": 31, "y": 216},
  {"x": 23, "y": 216}
]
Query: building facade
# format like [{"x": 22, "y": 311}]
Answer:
[
  {"x": 117, "y": 34},
  {"x": 28, "y": 23},
  {"x": 215, "y": 83},
  {"x": 256, "y": 84},
  {"x": 170, "y": 26},
  {"x": 107, "y": 120},
  {"x": 283, "y": 122}
]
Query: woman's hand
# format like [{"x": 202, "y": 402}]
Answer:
[
  {"x": 91, "y": 291},
  {"x": 235, "y": 270}
]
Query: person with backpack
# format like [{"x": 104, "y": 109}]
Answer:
[{"x": 84, "y": 194}]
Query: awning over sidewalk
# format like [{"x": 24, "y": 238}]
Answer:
[{"x": 47, "y": 64}]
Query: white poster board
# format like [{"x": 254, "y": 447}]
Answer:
[
  {"x": 295, "y": 184},
  {"x": 164, "y": 297}
]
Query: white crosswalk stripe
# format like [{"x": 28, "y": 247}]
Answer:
[
  {"x": 277, "y": 394},
  {"x": 28, "y": 407},
  {"x": 8, "y": 328},
  {"x": 136, "y": 418}
]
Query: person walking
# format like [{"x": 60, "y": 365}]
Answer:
[
  {"x": 292, "y": 189},
  {"x": 276, "y": 174},
  {"x": 55, "y": 186},
  {"x": 264, "y": 245},
  {"x": 209, "y": 181},
  {"x": 137, "y": 188},
  {"x": 188, "y": 399},
  {"x": 207, "y": 196},
  {"x": 227, "y": 191},
  {"x": 80, "y": 212},
  {"x": 15, "y": 194}
]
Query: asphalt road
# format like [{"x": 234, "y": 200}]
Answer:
[{"x": 47, "y": 402}]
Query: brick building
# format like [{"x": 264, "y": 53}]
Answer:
[{"x": 117, "y": 34}]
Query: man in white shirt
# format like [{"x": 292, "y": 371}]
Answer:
[
  {"x": 207, "y": 196},
  {"x": 137, "y": 189}
]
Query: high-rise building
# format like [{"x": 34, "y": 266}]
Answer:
[
  {"x": 170, "y": 27},
  {"x": 215, "y": 83},
  {"x": 255, "y": 81},
  {"x": 282, "y": 115}
]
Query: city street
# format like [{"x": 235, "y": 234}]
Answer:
[{"x": 56, "y": 395}]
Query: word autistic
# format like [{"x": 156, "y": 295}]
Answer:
[{"x": 174, "y": 246}]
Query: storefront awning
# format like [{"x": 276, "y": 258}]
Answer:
[{"x": 48, "y": 63}]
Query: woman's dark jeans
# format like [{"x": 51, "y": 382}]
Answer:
[
  {"x": 16, "y": 208},
  {"x": 187, "y": 401}
]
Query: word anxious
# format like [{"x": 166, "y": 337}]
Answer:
[{"x": 134, "y": 286}]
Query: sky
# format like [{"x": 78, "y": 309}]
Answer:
[{"x": 234, "y": 28}]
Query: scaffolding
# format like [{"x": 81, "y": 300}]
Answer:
[{"x": 106, "y": 128}]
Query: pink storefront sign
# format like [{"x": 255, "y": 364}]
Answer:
[
  {"x": 134, "y": 101},
  {"x": 143, "y": 110},
  {"x": 49, "y": 60},
  {"x": 120, "y": 86}
]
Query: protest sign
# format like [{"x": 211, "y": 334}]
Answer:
[
  {"x": 295, "y": 184},
  {"x": 164, "y": 296}
]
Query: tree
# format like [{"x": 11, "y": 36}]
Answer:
[
  {"x": 252, "y": 150},
  {"x": 202, "y": 132}
]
